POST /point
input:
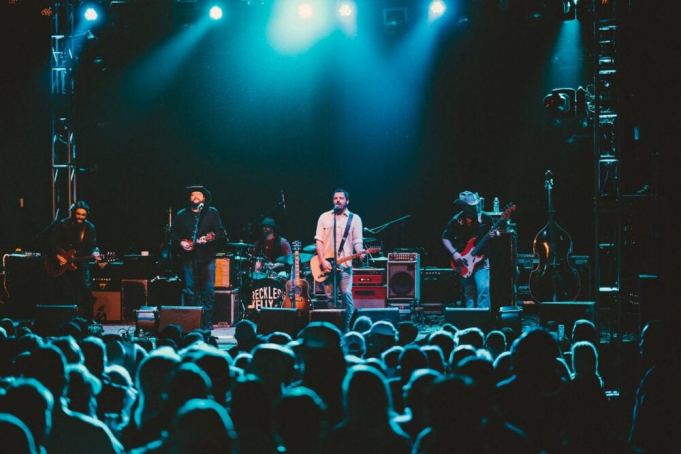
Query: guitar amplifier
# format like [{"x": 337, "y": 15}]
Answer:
[
  {"x": 403, "y": 257},
  {"x": 369, "y": 296},
  {"x": 368, "y": 276}
]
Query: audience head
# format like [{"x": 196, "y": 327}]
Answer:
[
  {"x": 70, "y": 349},
  {"x": 584, "y": 330},
  {"x": 444, "y": 340},
  {"x": 245, "y": 332},
  {"x": 274, "y": 365},
  {"x": 470, "y": 336},
  {"x": 32, "y": 403},
  {"x": 47, "y": 364},
  {"x": 201, "y": 426},
  {"x": 391, "y": 360},
  {"x": 16, "y": 437},
  {"x": 362, "y": 324},
  {"x": 502, "y": 367},
  {"x": 584, "y": 359},
  {"x": 411, "y": 359},
  {"x": 381, "y": 336},
  {"x": 94, "y": 352},
  {"x": 415, "y": 390},
  {"x": 307, "y": 406},
  {"x": 495, "y": 342},
  {"x": 367, "y": 397},
  {"x": 279, "y": 338},
  {"x": 353, "y": 344},
  {"x": 436, "y": 360},
  {"x": 534, "y": 352},
  {"x": 407, "y": 332},
  {"x": 459, "y": 353},
  {"x": 84, "y": 387}
]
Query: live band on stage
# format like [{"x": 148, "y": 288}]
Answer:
[{"x": 342, "y": 270}]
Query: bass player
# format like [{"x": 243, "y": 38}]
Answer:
[{"x": 469, "y": 223}]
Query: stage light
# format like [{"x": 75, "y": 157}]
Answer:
[
  {"x": 305, "y": 10},
  {"x": 90, "y": 14},
  {"x": 437, "y": 8},
  {"x": 215, "y": 13},
  {"x": 345, "y": 9},
  {"x": 566, "y": 102}
]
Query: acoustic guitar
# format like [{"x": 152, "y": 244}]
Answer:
[
  {"x": 320, "y": 275},
  {"x": 56, "y": 269},
  {"x": 297, "y": 289}
]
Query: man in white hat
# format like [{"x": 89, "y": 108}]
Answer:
[{"x": 469, "y": 223}]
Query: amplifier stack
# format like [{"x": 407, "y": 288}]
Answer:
[{"x": 368, "y": 288}]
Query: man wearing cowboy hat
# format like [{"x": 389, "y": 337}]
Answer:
[
  {"x": 197, "y": 230},
  {"x": 271, "y": 246},
  {"x": 467, "y": 223}
]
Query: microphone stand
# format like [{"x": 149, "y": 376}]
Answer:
[
  {"x": 334, "y": 269},
  {"x": 380, "y": 228}
]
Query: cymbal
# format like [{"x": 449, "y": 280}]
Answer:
[
  {"x": 240, "y": 244},
  {"x": 289, "y": 259},
  {"x": 370, "y": 240},
  {"x": 310, "y": 248},
  {"x": 378, "y": 259}
]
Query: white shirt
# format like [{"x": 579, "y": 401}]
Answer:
[{"x": 325, "y": 227}]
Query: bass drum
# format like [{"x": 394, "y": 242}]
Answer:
[{"x": 267, "y": 293}]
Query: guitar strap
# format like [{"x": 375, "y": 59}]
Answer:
[{"x": 345, "y": 234}]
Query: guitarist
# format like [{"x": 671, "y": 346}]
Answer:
[
  {"x": 348, "y": 239},
  {"x": 75, "y": 236},
  {"x": 468, "y": 223},
  {"x": 198, "y": 231}
]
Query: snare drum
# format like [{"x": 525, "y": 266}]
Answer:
[{"x": 267, "y": 293}]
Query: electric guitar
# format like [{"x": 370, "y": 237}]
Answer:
[
  {"x": 471, "y": 256},
  {"x": 297, "y": 289},
  {"x": 56, "y": 269},
  {"x": 320, "y": 275}
]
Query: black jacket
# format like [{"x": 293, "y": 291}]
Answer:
[{"x": 183, "y": 229}]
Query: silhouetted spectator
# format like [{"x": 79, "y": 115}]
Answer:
[
  {"x": 32, "y": 403},
  {"x": 495, "y": 342},
  {"x": 470, "y": 336},
  {"x": 15, "y": 436},
  {"x": 362, "y": 324},
  {"x": 414, "y": 419},
  {"x": 391, "y": 359},
  {"x": 278, "y": 338},
  {"x": 657, "y": 411},
  {"x": 502, "y": 367},
  {"x": 245, "y": 333},
  {"x": 381, "y": 336},
  {"x": 296, "y": 405},
  {"x": 201, "y": 426},
  {"x": 353, "y": 344},
  {"x": 444, "y": 340},
  {"x": 251, "y": 412},
  {"x": 70, "y": 349},
  {"x": 407, "y": 332},
  {"x": 274, "y": 365},
  {"x": 436, "y": 360},
  {"x": 459, "y": 353},
  {"x": 368, "y": 426},
  {"x": 411, "y": 359},
  {"x": 511, "y": 335},
  {"x": 216, "y": 364},
  {"x": 83, "y": 389},
  {"x": 533, "y": 398}
]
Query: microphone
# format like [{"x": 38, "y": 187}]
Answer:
[
  {"x": 283, "y": 199},
  {"x": 336, "y": 208},
  {"x": 200, "y": 206}
]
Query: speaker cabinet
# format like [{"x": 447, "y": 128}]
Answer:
[
  {"x": 108, "y": 307},
  {"x": 404, "y": 279},
  {"x": 566, "y": 313},
  {"x": 222, "y": 272},
  {"x": 510, "y": 317},
  {"x": 439, "y": 285},
  {"x": 134, "y": 294},
  {"x": 502, "y": 275},
  {"x": 469, "y": 317},
  {"x": 273, "y": 319},
  {"x": 333, "y": 316},
  {"x": 49, "y": 318},
  {"x": 390, "y": 314},
  {"x": 226, "y": 304},
  {"x": 189, "y": 318},
  {"x": 369, "y": 296}
]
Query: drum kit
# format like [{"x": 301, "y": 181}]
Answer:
[{"x": 263, "y": 283}]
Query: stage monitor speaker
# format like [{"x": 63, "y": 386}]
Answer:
[
  {"x": 333, "y": 316},
  {"x": 188, "y": 317},
  {"x": 565, "y": 313},
  {"x": 404, "y": 279},
  {"x": 49, "y": 318},
  {"x": 226, "y": 304},
  {"x": 27, "y": 283},
  {"x": 134, "y": 294},
  {"x": 222, "y": 272},
  {"x": 273, "y": 319},
  {"x": 108, "y": 307},
  {"x": 439, "y": 285},
  {"x": 390, "y": 314},
  {"x": 369, "y": 296},
  {"x": 464, "y": 317},
  {"x": 165, "y": 292},
  {"x": 510, "y": 317}
]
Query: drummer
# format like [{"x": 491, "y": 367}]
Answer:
[{"x": 271, "y": 245}]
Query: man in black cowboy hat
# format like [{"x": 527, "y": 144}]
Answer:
[
  {"x": 197, "y": 230},
  {"x": 469, "y": 223},
  {"x": 271, "y": 245}
]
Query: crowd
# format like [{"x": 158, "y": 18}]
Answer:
[{"x": 379, "y": 388}]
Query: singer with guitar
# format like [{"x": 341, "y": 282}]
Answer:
[
  {"x": 197, "y": 231},
  {"x": 334, "y": 246},
  {"x": 73, "y": 245},
  {"x": 469, "y": 223}
]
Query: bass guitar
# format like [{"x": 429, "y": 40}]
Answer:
[
  {"x": 471, "y": 255},
  {"x": 56, "y": 269},
  {"x": 320, "y": 275},
  {"x": 297, "y": 289}
]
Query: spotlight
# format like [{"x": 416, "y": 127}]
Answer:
[
  {"x": 345, "y": 9},
  {"x": 566, "y": 102},
  {"x": 215, "y": 13},
  {"x": 305, "y": 10},
  {"x": 437, "y": 8},
  {"x": 90, "y": 14}
]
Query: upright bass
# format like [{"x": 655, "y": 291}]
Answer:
[{"x": 554, "y": 278}]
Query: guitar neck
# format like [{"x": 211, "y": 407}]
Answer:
[
  {"x": 484, "y": 239},
  {"x": 350, "y": 257}
]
